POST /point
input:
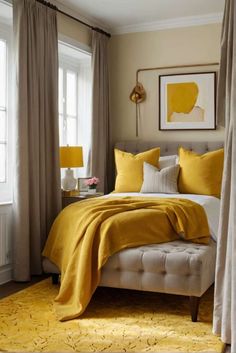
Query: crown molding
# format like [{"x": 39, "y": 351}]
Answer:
[{"x": 170, "y": 23}]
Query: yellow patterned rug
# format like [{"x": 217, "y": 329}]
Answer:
[{"x": 115, "y": 321}]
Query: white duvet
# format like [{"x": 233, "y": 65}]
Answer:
[{"x": 210, "y": 204}]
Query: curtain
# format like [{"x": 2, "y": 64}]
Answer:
[
  {"x": 37, "y": 198},
  {"x": 224, "y": 322},
  {"x": 100, "y": 159}
]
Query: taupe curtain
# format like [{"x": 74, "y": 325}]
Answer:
[
  {"x": 37, "y": 198},
  {"x": 224, "y": 322},
  {"x": 100, "y": 110}
]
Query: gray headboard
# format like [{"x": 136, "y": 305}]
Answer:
[{"x": 168, "y": 148}]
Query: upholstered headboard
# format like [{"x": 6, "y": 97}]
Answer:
[{"x": 168, "y": 148}]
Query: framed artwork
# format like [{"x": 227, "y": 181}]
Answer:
[
  {"x": 82, "y": 185},
  {"x": 187, "y": 101}
]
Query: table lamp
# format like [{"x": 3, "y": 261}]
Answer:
[{"x": 70, "y": 157}]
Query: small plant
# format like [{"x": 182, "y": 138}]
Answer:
[{"x": 92, "y": 182}]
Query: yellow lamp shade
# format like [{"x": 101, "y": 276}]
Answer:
[{"x": 71, "y": 157}]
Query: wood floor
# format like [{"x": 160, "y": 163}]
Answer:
[{"x": 13, "y": 287}]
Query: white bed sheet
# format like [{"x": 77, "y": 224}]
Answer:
[{"x": 210, "y": 204}]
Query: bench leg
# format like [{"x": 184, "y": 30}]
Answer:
[
  {"x": 194, "y": 305},
  {"x": 55, "y": 278}
]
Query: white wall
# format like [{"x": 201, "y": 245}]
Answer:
[
  {"x": 129, "y": 52},
  {"x": 5, "y": 243}
]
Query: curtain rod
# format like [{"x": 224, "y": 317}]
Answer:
[{"x": 73, "y": 18}]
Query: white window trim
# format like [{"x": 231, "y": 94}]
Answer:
[
  {"x": 74, "y": 43},
  {"x": 70, "y": 42},
  {"x": 6, "y": 188}
]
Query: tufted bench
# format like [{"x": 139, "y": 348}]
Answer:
[{"x": 176, "y": 267}]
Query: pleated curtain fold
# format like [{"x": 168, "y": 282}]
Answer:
[
  {"x": 224, "y": 321},
  {"x": 37, "y": 191},
  {"x": 100, "y": 156}
]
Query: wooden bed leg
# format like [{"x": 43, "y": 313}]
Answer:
[
  {"x": 194, "y": 305},
  {"x": 55, "y": 278}
]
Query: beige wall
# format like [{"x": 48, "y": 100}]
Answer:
[
  {"x": 130, "y": 52},
  {"x": 74, "y": 30}
]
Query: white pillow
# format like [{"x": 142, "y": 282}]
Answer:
[
  {"x": 167, "y": 161},
  {"x": 162, "y": 181}
]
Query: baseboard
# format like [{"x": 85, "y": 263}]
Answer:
[{"x": 5, "y": 274}]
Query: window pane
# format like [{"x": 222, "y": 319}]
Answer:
[
  {"x": 3, "y": 53},
  {"x": 61, "y": 130},
  {"x": 2, "y": 163},
  {"x": 2, "y": 126},
  {"x": 60, "y": 87},
  {"x": 71, "y": 131},
  {"x": 71, "y": 92}
]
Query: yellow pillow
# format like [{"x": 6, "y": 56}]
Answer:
[
  {"x": 129, "y": 169},
  {"x": 200, "y": 174}
]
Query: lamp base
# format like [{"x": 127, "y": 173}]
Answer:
[{"x": 69, "y": 182}]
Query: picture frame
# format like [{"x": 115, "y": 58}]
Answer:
[
  {"x": 82, "y": 185},
  {"x": 187, "y": 101}
]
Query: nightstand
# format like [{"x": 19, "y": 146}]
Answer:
[{"x": 67, "y": 199}]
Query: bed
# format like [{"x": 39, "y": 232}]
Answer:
[{"x": 177, "y": 267}]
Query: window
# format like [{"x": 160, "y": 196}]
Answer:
[
  {"x": 68, "y": 105},
  {"x": 3, "y": 111},
  {"x": 6, "y": 97},
  {"x": 75, "y": 101}
]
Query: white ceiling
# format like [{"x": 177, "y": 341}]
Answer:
[{"x": 121, "y": 16}]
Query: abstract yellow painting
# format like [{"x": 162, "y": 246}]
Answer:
[{"x": 187, "y": 101}]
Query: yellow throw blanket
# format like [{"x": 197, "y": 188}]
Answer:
[{"x": 86, "y": 233}]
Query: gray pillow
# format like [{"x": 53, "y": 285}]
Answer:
[{"x": 162, "y": 181}]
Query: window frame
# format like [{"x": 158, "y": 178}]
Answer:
[{"x": 6, "y": 188}]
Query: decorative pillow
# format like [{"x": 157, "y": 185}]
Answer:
[
  {"x": 129, "y": 169},
  {"x": 200, "y": 174},
  {"x": 167, "y": 161},
  {"x": 163, "y": 181}
]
